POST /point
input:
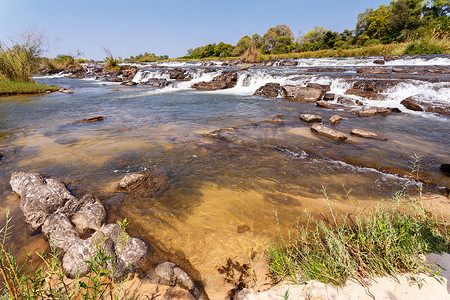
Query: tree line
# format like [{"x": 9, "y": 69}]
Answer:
[{"x": 400, "y": 21}]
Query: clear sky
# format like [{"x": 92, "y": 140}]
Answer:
[{"x": 166, "y": 27}]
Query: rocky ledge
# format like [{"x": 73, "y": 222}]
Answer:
[{"x": 66, "y": 221}]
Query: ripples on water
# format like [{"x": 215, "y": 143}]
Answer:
[{"x": 217, "y": 185}]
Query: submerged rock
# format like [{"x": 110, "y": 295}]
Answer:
[
  {"x": 131, "y": 179},
  {"x": 335, "y": 120},
  {"x": 302, "y": 94},
  {"x": 364, "y": 133},
  {"x": 90, "y": 120},
  {"x": 172, "y": 274},
  {"x": 269, "y": 90},
  {"x": 277, "y": 121},
  {"x": 310, "y": 118},
  {"x": 328, "y": 132}
]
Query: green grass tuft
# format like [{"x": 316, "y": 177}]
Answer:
[
  {"x": 9, "y": 87},
  {"x": 384, "y": 242}
]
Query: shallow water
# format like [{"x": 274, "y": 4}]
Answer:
[{"x": 218, "y": 185}]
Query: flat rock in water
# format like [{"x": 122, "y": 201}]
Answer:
[
  {"x": 328, "y": 132},
  {"x": 364, "y": 133},
  {"x": 277, "y": 121},
  {"x": 302, "y": 94},
  {"x": 310, "y": 118},
  {"x": 128, "y": 83},
  {"x": 90, "y": 120},
  {"x": 368, "y": 112},
  {"x": 324, "y": 87},
  {"x": 374, "y": 70},
  {"x": 335, "y": 120}
]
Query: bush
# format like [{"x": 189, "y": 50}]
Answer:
[
  {"x": 18, "y": 60},
  {"x": 424, "y": 46},
  {"x": 251, "y": 55}
]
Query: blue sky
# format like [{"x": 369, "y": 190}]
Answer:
[{"x": 166, "y": 27}]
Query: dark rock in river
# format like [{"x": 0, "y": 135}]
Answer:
[
  {"x": 310, "y": 118},
  {"x": 379, "y": 62},
  {"x": 128, "y": 72},
  {"x": 374, "y": 70},
  {"x": 345, "y": 101},
  {"x": 433, "y": 107},
  {"x": 445, "y": 168},
  {"x": 129, "y": 83},
  {"x": 180, "y": 74},
  {"x": 328, "y": 132},
  {"x": 411, "y": 104},
  {"x": 374, "y": 85},
  {"x": 328, "y": 97},
  {"x": 243, "y": 228},
  {"x": 269, "y": 90},
  {"x": 364, "y": 94},
  {"x": 224, "y": 81},
  {"x": 302, "y": 94},
  {"x": 40, "y": 197},
  {"x": 90, "y": 120}
]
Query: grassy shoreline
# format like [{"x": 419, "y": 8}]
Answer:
[{"x": 9, "y": 88}]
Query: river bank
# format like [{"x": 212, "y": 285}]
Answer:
[{"x": 232, "y": 158}]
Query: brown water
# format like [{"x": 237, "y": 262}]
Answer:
[{"x": 223, "y": 191}]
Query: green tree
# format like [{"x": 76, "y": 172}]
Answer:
[
  {"x": 278, "y": 39},
  {"x": 242, "y": 45}
]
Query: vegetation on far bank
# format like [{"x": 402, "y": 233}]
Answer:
[{"x": 419, "y": 23}]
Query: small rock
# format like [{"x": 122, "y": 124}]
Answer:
[
  {"x": 310, "y": 118},
  {"x": 328, "y": 97},
  {"x": 379, "y": 62},
  {"x": 277, "y": 121},
  {"x": 364, "y": 133},
  {"x": 328, "y": 132},
  {"x": 174, "y": 275},
  {"x": 224, "y": 81},
  {"x": 335, "y": 120},
  {"x": 395, "y": 110},
  {"x": 345, "y": 101},
  {"x": 325, "y": 104},
  {"x": 90, "y": 120},
  {"x": 65, "y": 91},
  {"x": 129, "y": 83},
  {"x": 445, "y": 168},
  {"x": 243, "y": 228},
  {"x": 246, "y": 294},
  {"x": 411, "y": 104},
  {"x": 131, "y": 180},
  {"x": 90, "y": 216}
]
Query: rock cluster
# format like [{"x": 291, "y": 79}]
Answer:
[{"x": 48, "y": 206}]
